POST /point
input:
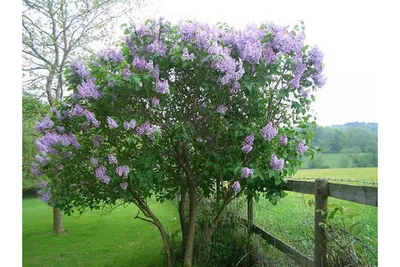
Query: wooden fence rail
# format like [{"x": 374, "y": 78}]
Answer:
[{"x": 321, "y": 189}]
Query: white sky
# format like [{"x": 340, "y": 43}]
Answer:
[{"x": 341, "y": 29}]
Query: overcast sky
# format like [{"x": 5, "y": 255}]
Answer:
[{"x": 341, "y": 29}]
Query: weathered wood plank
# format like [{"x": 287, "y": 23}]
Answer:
[
  {"x": 300, "y": 187},
  {"x": 367, "y": 195},
  {"x": 298, "y": 257}
]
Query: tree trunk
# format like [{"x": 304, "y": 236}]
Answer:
[
  {"x": 192, "y": 224},
  {"x": 57, "y": 221},
  {"x": 164, "y": 238},
  {"x": 182, "y": 220}
]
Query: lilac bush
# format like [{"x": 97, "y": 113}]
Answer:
[{"x": 198, "y": 104}]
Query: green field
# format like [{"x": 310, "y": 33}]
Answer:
[
  {"x": 292, "y": 218},
  {"x": 94, "y": 239},
  {"x": 332, "y": 160},
  {"x": 117, "y": 239}
]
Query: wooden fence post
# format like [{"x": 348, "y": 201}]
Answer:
[
  {"x": 321, "y": 200},
  {"x": 250, "y": 223}
]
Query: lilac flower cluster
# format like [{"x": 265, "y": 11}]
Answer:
[
  {"x": 246, "y": 172},
  {"x": 35, "y": 169},
  {"x": 45, "y": 196},
  {"x": 46, "y": 143},
  {"x": 188, "y": 56},
  {"x": 79, "y": 68},
  {"x": 42, "y": 184},
  {"x": 275, "y": 163},
  {"x": 94, "y": 161},
  {"x": 110, "y": 54},
  {"x": 46, "y": 123},
  {"x": 101, "y": 174},
  {"x": 112, "y": 124},
  {"x": 248, "y": 143},
  {"x": 162, "y": 87},
  {"x": 42, "y": 160},
  {"x": 301, "y": 147},
  {"x": 124, "y": 186},
  {"x": 98, "y": 139},
  {"x": 222, "y": 109},
  {"x": 316, "y": 57},
  {"x": 111, "y": 83},
  {"x": 269, "y": 131},
  {"x": 283, "y": 140},
  {"x": 269, "y": 54},
  {"x": 285, "y": 42},
  {"x": 155, "y": 102},
  {"x": 300, "y": 68},
  {"x": 60, "y": 129},
  {"x": 88, "y": 90},
  {"x": 112, "y": 159},
  {"x": 139, "y": 63},
  {"x": 157, "y": 47},
  {"x": 91, "y": 118},
  {"x": 122, "y": 171},
  {"x": 304, "y": 92},
  {"x": 129, "y": 125},
  {"x": 236, "y": 186},
  {"x": 127, "y": 73}
]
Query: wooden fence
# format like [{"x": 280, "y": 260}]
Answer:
[{"x": 321, "y": 189}]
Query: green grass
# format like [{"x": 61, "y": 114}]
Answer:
[
  {"x": 331, "y": 160},
  {"x": 94, "y": 239},
  {"x": 293, "y": 217}
]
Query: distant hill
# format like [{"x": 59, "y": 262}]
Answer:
[{"x": 372, "y": 126}]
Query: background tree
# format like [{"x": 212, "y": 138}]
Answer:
[
  {"x": 54, "y": 31},
  {"x": 175, "y": 111},
  {"x": 33, "y": 110}
]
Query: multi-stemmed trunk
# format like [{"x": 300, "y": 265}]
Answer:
[{"x": 187, "y": 262}]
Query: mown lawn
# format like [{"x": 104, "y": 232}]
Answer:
[
  {"x": 292, "y": 218},
  {"x": 94, "y": 239}
]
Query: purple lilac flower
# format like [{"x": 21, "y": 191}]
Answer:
[
  {"x": 283, "y": 140},
  {"x": 98, "y": 139},
  {"x": 269, "y": 131},
  {"x": 110, "y": 54},
  {"x": 124, "y": 186},
  {"x": 45, "y": 196},
  {"x": 246, "y": 172},
  {"x": 129, "y": 125},
  {"x": 112, "y": 124},
  {"x": 122, "y": 171},
  {"x": 60, "y": 129},
  {"x": 140, "y": 130},
  {"x": 111, "y": 83},
  {"x": 35, "y": 169},
  {"x": 252, "y": 51},
  {"x": 304, "y": 92},
  {"x": 275, "y": 163},
  {"x": 162, "y": 87},
  {"x": 247, "y": 148},
  {"x": 315, "y": 57},
  {"x": 53, "y": 110},
  {"x": 285, "y": 42},
  {"x": 46, "y": 123},
  {"x": 319, "y": 79},
  {"x": 269, "y": 55},
  {"x": 248, "y": 143},
  {"x": 139, "y": 63},
  {"x": 88, "y": 90},
  {"x": 155, "y": 102},
  {"x": 222, "y": 109},
  {"x": 157, "y": 47},
  {"x": 77, "y": 111},
  {"x": 94, "y": 161},
  {"x": 42, "y": 160},
  {"x": 301, "y": 147},
  {"x": 91, "y": 118},
  {"x": 112, "y": 159},
  {"x": 42, "y": 184},
  {"x": 127, "y": 73},
  {"x": 74, "y": 141},
  {"x": 79, "y": 68},
  {"x": 236, "y": 187},
  {"x": 188, "y": 56},
  {"x": 101, "y": 174}
]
